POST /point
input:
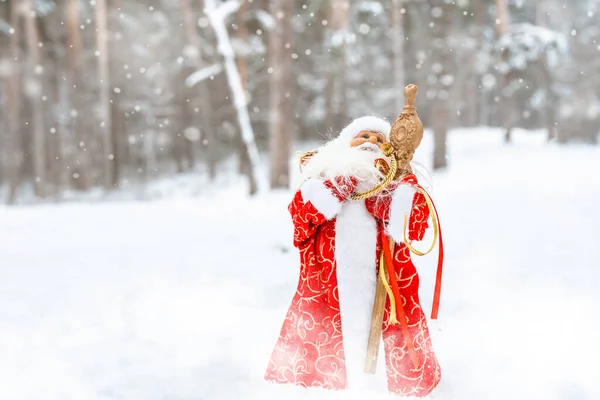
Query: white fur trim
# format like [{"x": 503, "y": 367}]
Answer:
[
  {"x": 401, "y": 205},
  {"x": 368, "y": 123},
  {"x": 315, "y": 191},
  {"x": 356, "y": 261}
]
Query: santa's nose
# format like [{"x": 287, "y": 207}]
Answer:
[{"x": 373, "y": 139}]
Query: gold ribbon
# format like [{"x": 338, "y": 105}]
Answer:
[{"x": 384, "y": 280}]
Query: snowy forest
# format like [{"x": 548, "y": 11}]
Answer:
[
  {"x": 95, "y": 94},
  {"x": 155, "y": 228}
]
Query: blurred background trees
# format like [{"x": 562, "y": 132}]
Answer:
[{"x": 95, "y": 94}]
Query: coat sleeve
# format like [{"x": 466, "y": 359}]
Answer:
[
  {"x": 417, "y": 223},
  {"x": 312, "y": 205},
  {"x": 407, "y": 200}
]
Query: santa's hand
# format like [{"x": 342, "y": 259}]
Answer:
[
  {"x": 400, "y": 208},
  {"x": 382, "y": 165},
  {"x": 342, "y": 186},
  {"x": 327, "y": 196}
]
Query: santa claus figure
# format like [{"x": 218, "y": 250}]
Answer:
[{"x": 323, "y": 340}]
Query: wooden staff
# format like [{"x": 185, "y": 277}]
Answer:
[
  {"x": 405, "y": 136},
  {"x": 376, "y": 320}
]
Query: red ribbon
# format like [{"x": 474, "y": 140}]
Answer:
[{"x": 438, "y": 276}]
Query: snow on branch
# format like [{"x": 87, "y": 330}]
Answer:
[
  {"x": 44, "y": 7},
  {"x": 222, "y": 11},
  {"x": 339, "y": 37},
  {"x": 266, "y": 20},
  {"x": 5, "y": 27},
  {"x": 372, "y": 7},
  {"x": 203, "y": 74},
  {"x": 216, "y": 16},
  {"x": 526, "y": 44}
]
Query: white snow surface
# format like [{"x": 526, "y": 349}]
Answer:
[{"x": 183, "y": 297}]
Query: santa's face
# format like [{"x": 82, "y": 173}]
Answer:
[{"x": 369, "y": 140}]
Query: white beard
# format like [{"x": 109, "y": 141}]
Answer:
[
  {"x": 355, "y": 255},
  {"x": 337, "y": 158}
]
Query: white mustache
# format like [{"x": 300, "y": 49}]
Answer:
[{"x": 369, "y": 146}]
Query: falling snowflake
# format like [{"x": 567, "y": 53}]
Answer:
[
  {"x": 192, "y": 134},
  {"x": 364, "y": 29},
  {"x": 437, "y": 12}
]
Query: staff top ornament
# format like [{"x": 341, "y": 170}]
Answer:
[{"x": 407, "y": 132}]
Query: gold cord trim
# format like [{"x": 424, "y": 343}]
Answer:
[{"x": 388, "y": 150}]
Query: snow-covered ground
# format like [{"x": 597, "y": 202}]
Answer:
[{"x": 183, "y": 297}]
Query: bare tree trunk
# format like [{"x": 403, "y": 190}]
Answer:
[
  {"x": 443, "y": 69},
  {"x": 541, "y": 13},
  {"x": 469, "y": 96},
  {"x": 481, "y": 16},
  {"x": 242, "y": 36},
  {"x": 14, "y": 153},
  {"x": 503, "y": 17},
  {"x": 117, "y": 117},
  {"x": 244, "y": 161},
  {"x": 550, "y": 106},
  {"x": 281, "y": 113},
  {"x": 478, "y": 104},
  {"x": 62, "y": 136},
  {"x": 117, "y": 131},
  {"x": 74, "y": 39},
  {"x": 330, "y": 80},
  {"x": 398, "y": 30},
  {"x": 77, "y": 158},
  {"x": 105, "y": 109},
  {"x": 343, "y": 108},
  {"x": 54, "y": 67},
  {"x": 4, "y": 128},
  {"x": 336, "y": 102},
  {"x": 34, "y": 72},
  {"x": 184, "y": 121},
  {"x": 208, "y": 130},
  {"x": 329, "y": 92},
  {"x": 4, "y": 78}
]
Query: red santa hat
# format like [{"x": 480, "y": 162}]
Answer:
[{"x": 367, "y": 123}]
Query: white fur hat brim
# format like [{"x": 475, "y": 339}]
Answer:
[{"x": 368, "y": 123}]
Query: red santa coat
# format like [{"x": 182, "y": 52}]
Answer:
[{"x": 310, "y": 349}]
